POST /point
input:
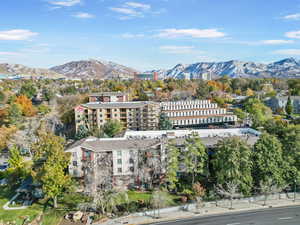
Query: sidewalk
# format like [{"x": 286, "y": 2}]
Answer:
[{"x": 210, "y": 208}]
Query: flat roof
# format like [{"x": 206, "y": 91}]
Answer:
[
  {"x": 108, "y": 94},
  {"x": 107, "y": 105}
]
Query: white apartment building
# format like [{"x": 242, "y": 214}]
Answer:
[{"x": 196, "y": 112}]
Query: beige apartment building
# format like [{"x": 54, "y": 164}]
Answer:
[{"x": 133, "y": 115}]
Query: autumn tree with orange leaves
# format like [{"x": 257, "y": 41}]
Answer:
[{"x": 26, "y": 105}]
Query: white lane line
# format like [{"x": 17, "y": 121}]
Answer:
[
  {"x": 233, "y": 223},
  {"x": 285, "y": 218}
]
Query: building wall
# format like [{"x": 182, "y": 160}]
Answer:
[{"x": 142, "y": 118}]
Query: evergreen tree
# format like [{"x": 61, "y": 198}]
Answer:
[
  {"x": 112, "y": 128},
  {"x": 164, "y": 122},
  {"x": 289, "y": 106},
  {"x": 14, "y": 114}
]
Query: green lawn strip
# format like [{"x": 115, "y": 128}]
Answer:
[{"x": 146, "y": 196}]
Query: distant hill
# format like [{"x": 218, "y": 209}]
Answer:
[
  {"x": 286, "y": 68},
  {"x": 99, "y": 69},
  {"x": 17, "y": 69}
]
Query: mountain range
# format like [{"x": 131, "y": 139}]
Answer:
[
  {"x": 286, "y": 68},
  {"x": 99, "y": 69},
  {"x": 18, "y": 69}
]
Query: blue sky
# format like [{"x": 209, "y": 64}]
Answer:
[{"x": 148, "y": 34}]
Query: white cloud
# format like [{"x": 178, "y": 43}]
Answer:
[
  {"x": 83, "y": 15},
  {"x": 130, "y": 10},
  {"x": 138, "y": 5},
  {"x": 292, "y": 16},
  {"x": 293, "y": 34},
  {"x": 276, "y": 42},
  {"x": 129, "y": 35},
  {"x": 292, "y": 52},
  {"x": 194, "y": 33},
  {"x": 126, "y": 11},
  {"x": 10, "y": 53},
  {"x": 66, "y": 3},
  {"x": 16, "y": 35},
  {"x": 174, "y": 49}
]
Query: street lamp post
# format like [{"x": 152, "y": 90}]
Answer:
[{"x": 295, "y": 187}]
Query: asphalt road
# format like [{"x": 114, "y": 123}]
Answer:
[{"x": 273, "y": 216}]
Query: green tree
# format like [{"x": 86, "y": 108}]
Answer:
[
  {"x": 195, "y": 157},
  {"x": 2, "y": 96},
  {"x": 164, "y": 122},
  {"x": 112, "y": 128},
  {"x": 82, "y": 132},
  {"x": 289, "y": 106},
  {"x": 259, "y": 113},
  {"x": 18, "y": 168},
  {"x": 28, "y": 90},
  {"x": 14, "y": 114},
  {"x": 172, "y": 165},
  {"x": 291, "y": 151},
  {"x": 48, "y": 94},
  {"x": 50, "y": 163},
  {"x": 268, "y": 161},
  {"x": 54, "y": 179},
  {"x": 232, "y": 163}
]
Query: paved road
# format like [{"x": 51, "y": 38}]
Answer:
[{"x": 275, "y": 216}]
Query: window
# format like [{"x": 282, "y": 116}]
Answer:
[
  {"x": 119, "y": 153},
  {"x": 131, "y": 161},
  {"x": 119, "y": 170},
  {"x": 75, "y": 163},
  {"x": 115, "y": 110},
  {"x": 74, "y": 154},
  {"x": 119, "y": 161},
  {"x": 131, "y": 169}
]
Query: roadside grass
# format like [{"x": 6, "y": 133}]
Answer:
[{"x": 146, "y": 197}]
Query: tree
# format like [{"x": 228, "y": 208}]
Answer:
[
  {"x": 289, "y": 106},
  {"x": 159, "y": 199},
  {"x": 18, "y": 169},
  {"x": 2, "y": 96},
  {"x": 82, "y": 132},
  {"x": 50, "y": 163},
  {"x": 26, "y": 105},
  {"x": 28, "y": 90},
  {"x": 54, "y": 179},
  {"x": 112, "y": 128},
  {"x": 199, "y": 192},
  {"x": 291, "y": 151},
  {"x": 48, "y": 94},
  {"x": 195, "y": 157},
  {"x": 164, "y": 122},
  {"x": 229, "y": 190},
  {"x": 268, "y": 187},
  {"x": 14, "y": 114},
  {"x": 268, "y": 160},
  {"x": 172, "y": 165},
  {"x": 259, "y": 113},
  {"x": 232, "y": 163},
  {"x": 5, "y": 135}
]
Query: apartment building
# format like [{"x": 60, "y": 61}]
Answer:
[
  {"x": 194, "y": 113},
  {"x": 109, "y": 97},
  {"x": 133, "y": 115},
  {"x": 280, "y": 102},
  {"x": 137, "y": 157}
]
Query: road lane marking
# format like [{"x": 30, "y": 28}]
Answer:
[
  {"x": 233, "y": 223},
  {"x": 285, "y": 218}
]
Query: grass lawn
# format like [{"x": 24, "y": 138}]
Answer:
[
  {"x": 50, "y": 216},
  {"x": 16, "y": 215}
]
